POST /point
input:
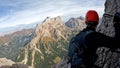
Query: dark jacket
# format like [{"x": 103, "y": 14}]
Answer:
[{"x": 95, "y": 40}]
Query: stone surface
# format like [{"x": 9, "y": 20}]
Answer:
[
  {"x": 108, "y": 59},
  {"x": 7, "y": 63},
  {"x": 15, "y": 66},
  {"x": 4, "y": 61}
]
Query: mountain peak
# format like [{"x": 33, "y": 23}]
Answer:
[
  {"x": 50, "y": 20},
  {"x": 47, "y": 19},
  {"x": 76, "y": 23},
  {"x": 52, "y": 28},
  {"x": 50, "y": 23},
  {"x": 48, "y": 36},
  {"x": 57, "y": 18}
]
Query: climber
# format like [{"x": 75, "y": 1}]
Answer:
[{"x": 82, "y": 47}]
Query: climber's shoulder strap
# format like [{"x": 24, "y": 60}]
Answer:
[{"x": 77, "y": 46}]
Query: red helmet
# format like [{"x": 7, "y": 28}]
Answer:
[{"x": 91, "y": 16}]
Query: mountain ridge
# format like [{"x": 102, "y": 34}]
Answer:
[
  {"x": 49, "y": 44},
  {"x": 46, "y": 44},
  {"x": 76, "y": 23},
  {"x": 11, "y": 44}
]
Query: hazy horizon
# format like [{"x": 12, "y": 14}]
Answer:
[{"x": 24, "y": 12}]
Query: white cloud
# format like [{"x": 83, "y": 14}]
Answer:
[{"x": 30, "y": 11}]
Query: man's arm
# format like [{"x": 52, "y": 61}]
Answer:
[{"x": 101, "y": 40}]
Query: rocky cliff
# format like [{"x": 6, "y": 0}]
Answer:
[
  {"x": 108, "y": 59},
  {"x": 49, "y": 44}
]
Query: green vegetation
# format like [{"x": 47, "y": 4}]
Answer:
[
  {"x": 52, "y": 52},
  {"x": 21, "y": 57},
  {"x": 57, "y": 59},
  {"x": 29, "y": 57},
  {"x": 14, "y": 47}
]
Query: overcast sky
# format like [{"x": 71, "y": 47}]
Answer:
[{"x": 20, "y": 12}]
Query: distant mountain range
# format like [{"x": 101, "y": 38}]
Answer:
[
  {"x": 43, "y": 46},
  {"x": 9, "y": 30},
  {"x": 12, "y": 44}
]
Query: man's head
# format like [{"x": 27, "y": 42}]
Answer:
[{"x": 92, "y": 18}]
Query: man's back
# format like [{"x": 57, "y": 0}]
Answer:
[
  {"x": 85, "y": 56},
  {"x": 90, "y": 39},
  {"x": 78, "y": 49}
]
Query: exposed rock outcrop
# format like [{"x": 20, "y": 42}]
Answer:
[
  {"x": 4, "y": 61},
  {"x": 15, "y": 66},
  {"x": 7, "y": 63},
  {"x": 49, "y": 44},
  {"x": 108, "y": 59}
]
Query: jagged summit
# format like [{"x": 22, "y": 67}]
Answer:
[
  {"x": 52, "y": 28},
  {"x": 76, "y": 23},
  {"x": 58, "y": 18},
  {"x": 50, "y": 24},
  {"x": 82, "y": 18},
  {"x": 48, "y": 19},
  {"x": 51, "y": 37}
]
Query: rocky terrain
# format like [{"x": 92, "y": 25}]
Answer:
[
  {"x": 4, "y": 61},
  {"x": 108, "y": 59},
  {"x": 12, "y": 44},
  {"x": 49, "y": 45},
  {"x": 7, "y": 63}
]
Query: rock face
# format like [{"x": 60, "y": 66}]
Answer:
[{"x": 108, "y": 59}]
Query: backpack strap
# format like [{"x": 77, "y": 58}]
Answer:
[
  {"x": 75, "y": 43},
  {"x": 80, "y": 39}
]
